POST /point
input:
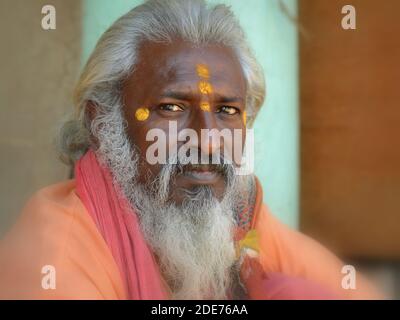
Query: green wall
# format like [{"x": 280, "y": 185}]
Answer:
[{"x": 273, "y": 38}]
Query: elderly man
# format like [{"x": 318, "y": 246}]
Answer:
[{"x": 130, "y": 228}]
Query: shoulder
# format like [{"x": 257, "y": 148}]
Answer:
[
  {"x": 54, "y": 229},
  {"x": 46, "y": 219},
  {"x": 283, "y": 249},
  {"x": 287, "y": 251}
]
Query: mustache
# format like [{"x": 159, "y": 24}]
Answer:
[
  {"x": 196, "y": 159},
  {"x": 179, "y": 165},
  {"x": 216, "y": 168}
]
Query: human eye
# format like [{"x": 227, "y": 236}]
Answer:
[
  {"x": 171, "y": 107},
  {"x": 229, "y": 110}
]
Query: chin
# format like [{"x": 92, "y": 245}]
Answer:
[{"x": 198, "y": 193}]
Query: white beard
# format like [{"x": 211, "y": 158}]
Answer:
[
  {"x": 194, "y": 245},
  {"x": 193, "y": 242}
]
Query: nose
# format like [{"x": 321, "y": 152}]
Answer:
[{"x": 204, "y": 122}]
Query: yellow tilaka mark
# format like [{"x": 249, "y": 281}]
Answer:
[
  {"x": 250, "y": 241},
  {"x": 205, "y": 87},
  {"x": 142, "y": 114},
  {"x": 202, "y": 71},
  {"x": 244, "y": 117},
  {"x": 205, "y": 106}
]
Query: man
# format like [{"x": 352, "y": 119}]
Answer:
[{"x": 130, "y": 228}]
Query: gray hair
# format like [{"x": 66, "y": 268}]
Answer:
[{"x": 115, "y": 55}]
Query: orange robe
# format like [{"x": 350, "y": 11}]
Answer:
[{"x": 56, "y": 230}]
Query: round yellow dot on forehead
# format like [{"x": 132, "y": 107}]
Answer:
[
  {"x": 205, "y": 87},
  {"x": 205, "y": 106},
  {"x": 202, "y": 71},
  {"x": 142, "y": 114}
]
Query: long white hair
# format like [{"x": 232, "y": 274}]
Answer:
[{"x": 115, "y": 55}]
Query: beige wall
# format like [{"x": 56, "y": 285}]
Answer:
[{"x": 38, "y": 71}]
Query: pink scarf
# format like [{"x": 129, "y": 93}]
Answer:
[{"x": 118, "y": 224}]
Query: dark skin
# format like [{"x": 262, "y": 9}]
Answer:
[{"x": 165, "y": 81}]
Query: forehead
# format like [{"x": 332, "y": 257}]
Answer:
[{"x": 167, "y": 65}]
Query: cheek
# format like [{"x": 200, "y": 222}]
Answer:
[
  {"x": 138, "y": 126},
  {"x": 240, "y": 143},
  {"x": 147, "y": 168},
  {"x": 151, "y": 147}
]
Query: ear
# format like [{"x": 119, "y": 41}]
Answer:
[{"x": 91, "y": 112}]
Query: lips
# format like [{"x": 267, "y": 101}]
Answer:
[{"x": 202, "y": 173}]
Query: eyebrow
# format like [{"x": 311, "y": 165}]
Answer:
[{"x": 186, "y": 96}]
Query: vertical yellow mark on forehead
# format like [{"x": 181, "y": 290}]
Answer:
[
  {"x": 205, "y": 87},
  {"x": 244, "y": 117},
  {"x": 202, "y": 71},
  {"x": 142, "y": 114},
  {"x": 205, "y": 106}
]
